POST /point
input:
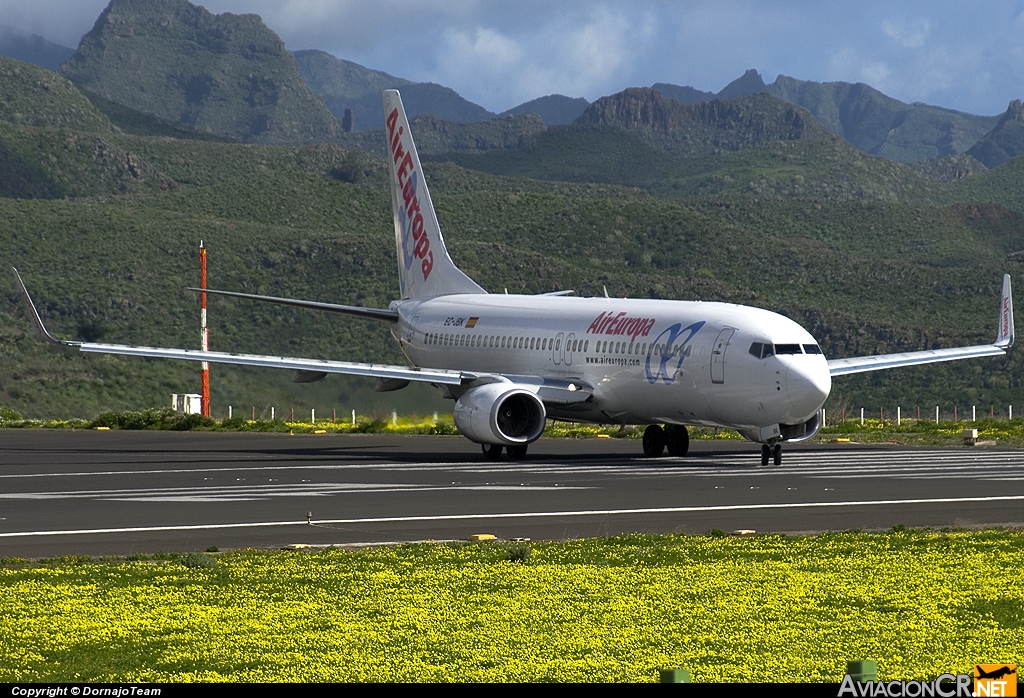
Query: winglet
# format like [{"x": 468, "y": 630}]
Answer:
[
  {"x": 34, "y": 314},
  {"x": 1004, "y": 336}
]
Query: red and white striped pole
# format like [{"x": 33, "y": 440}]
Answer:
[{"x": 204, "y": 331}]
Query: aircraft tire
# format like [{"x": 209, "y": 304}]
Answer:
[
  {"x": 491, "y": 451},
  {"x": 766, "y": 453},
  {"x": 678, "y": 440},
  {"x": 777, "y": 454},
  {"x": 516, "y": 452},
  {"x": 654, "y": 441}
]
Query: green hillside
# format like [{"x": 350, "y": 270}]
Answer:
[
  {"x": 859, "y": 275},
  {"x": 140, "y": 123},
  {"x": 56, "y": 163},
  {"x": 1004, "y": 184},
  {"x": 870, "y": 255},
  {"x": 553, "y": 109},
  {"x": 1003, "y": 142},
  {"x": 34, "y": 96},
  {"x": 708, "y": 128},
  {"x": 224, "y": 74},
  {"x": 828, "y": 169},
  {"x": 435, "y": 136}
]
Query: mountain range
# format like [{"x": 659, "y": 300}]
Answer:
[{"x": 229, "y": 75}]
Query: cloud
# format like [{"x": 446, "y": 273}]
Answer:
[
  {"x": 908, "y": 34},
  {"x": 584, "y": 52}
]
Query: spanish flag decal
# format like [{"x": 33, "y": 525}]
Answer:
[{"x": 471, "y": 322}]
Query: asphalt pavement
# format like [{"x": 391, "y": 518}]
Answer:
[{"x": 122, "y": 492}]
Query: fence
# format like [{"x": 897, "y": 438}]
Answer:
[{"x": 953, "y": 416}]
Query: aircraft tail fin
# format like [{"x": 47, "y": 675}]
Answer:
[
  {"x": 424, "y": 267},
  {"x": 1004, "y": 336}
]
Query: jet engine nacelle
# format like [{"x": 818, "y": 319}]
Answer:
[
  {"x": 803, "y": 430},
  {"x": 500, "y": 413}
]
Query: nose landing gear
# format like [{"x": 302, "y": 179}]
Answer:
[{"x": 771, "y": 452}]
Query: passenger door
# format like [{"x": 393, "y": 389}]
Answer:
[{"x": 718, "y": 354}]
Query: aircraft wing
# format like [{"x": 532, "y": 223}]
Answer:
[
  {"x": 428, "y": 375},
  {"x": 550, "y": 391},
  {"x": 1004, "y": 340}
]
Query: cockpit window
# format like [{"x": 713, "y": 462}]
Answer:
[
  {"x": 788, "y": 349},
  {"x": 760, "y": 350},
  {"x": 812, "y": 349}
]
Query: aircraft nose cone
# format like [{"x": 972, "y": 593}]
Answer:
[{"x": 808, "y": 383}]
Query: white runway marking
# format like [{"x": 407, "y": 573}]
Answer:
[
  {"x": 522, "y": 515},
  {"x": 846, "y": 464},
  {"x": 244, "y": 493}
]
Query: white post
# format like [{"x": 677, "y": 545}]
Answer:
[
  {"x": 353, "y": 417},
  {"x": 394, "y": 417},
  {"x": 312, "y": 415},
  {"x": 936, "y": 414},
  {"x": 271, "y": 414},
  {"x": 974, "y": 413},
  {"x": 1010, "y": 408},
  {"x": 229, "y": 411},
  {"x": 897, "y": 416},
  {"x": 862, "y": 416},
  {"x": 435, "y": 418},
  {"x": 823, "y": 417}
]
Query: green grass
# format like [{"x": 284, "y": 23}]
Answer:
[
  {"x": 992, "y": 432},
  {"x": 768, "y": 608}
]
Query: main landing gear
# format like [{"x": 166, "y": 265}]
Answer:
[
  {"x": 493, "y": 451},
  {"x": 674, "y": 437},
  {"x": 771, "y": 452}
]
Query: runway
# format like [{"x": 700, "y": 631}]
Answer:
[{"x": 118, "y": 493}]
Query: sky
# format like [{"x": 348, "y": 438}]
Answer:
[{"x": 957, "y": 54}]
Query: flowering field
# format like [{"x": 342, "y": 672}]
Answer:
[{"x": 768, "y": 608}]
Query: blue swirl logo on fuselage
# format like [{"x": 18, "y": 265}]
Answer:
[
  {"x": 670, "y": 336},
  {"x": 405, "y": 221}
]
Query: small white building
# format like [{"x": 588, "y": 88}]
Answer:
[{"x": 189, "y": 403}]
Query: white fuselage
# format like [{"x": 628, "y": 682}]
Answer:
[{"x": 646, "y": 361}]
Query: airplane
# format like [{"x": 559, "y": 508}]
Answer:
[{"x": 510, "y": 361}]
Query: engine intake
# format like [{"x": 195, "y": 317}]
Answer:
[
  {"x": 500, "y": 413},
  {"x": 803, "y": 430}
]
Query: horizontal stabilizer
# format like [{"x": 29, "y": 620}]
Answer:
[{"x": 355, "y": 310}]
